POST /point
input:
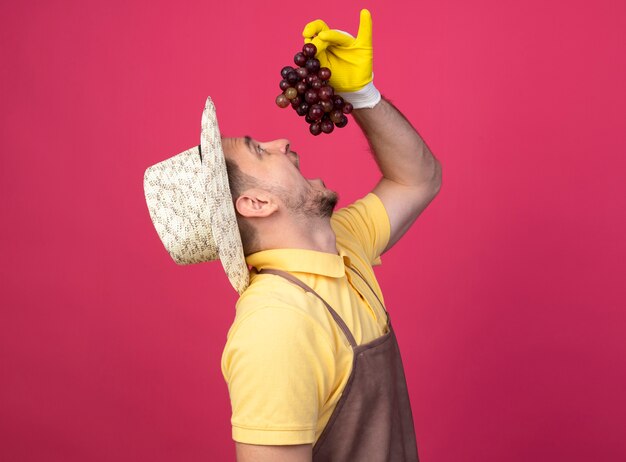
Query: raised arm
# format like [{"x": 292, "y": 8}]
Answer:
[{"x": 411, "y": 175}]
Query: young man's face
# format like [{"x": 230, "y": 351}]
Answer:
[{"x": 276, "y": 167}]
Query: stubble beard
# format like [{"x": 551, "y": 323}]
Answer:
[{"x": 315, "y": 204}]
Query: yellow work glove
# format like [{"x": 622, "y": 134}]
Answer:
[{"x": 349, "y": 59}]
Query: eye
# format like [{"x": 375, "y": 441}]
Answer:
[{"x": 259, "y": 149}]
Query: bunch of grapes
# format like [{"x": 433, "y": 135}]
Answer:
[{"x": 307, "y": 90}]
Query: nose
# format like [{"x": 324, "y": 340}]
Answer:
[{"x": 281, "y": 145}]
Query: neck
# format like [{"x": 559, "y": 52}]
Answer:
[{"x": 309, "y": 234}]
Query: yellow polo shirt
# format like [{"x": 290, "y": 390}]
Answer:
[{"x": 286, "y": 361}]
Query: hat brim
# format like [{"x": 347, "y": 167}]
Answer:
[{"x": 221, "y": 210}]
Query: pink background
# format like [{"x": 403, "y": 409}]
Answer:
[{"x": 508, "y": 293}]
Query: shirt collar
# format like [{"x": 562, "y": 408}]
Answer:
[{"x": 301, "y": 261}]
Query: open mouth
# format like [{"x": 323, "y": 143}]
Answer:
[
  {"x": 318, "y": 181},
  {"x": 294, "y": 155}
]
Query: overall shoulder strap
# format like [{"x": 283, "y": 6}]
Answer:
[
  {"x": 342, "y": 325},
  {"x": 356, "y": 271}
]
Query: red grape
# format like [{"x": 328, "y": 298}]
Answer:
[
  {"x": 299, "y": 58},
  {"x": 326, "y": 93},
  {"x": 311, "y": 78},
  {"x": 326, "y": 105},
  {"x": 338, "y": 102},
  {"x": 312, "y": 65},
  {"x": 303, "y": 109},
  {"x": 306, "y": 89},
  {"x": 316, "y": 112},
  {"x": 315, "y": 128},
  {"x": 292, "y": 77},
  {"x": 301, "y": 87},
  {"x": 285, "y": 70},
  {"x": 327, "y": 126},
  {"x": 295, "y": 102},
  {"x": 343, "y": 122},
  {"x": 309, "y": 50},
  {"x": 310, "y": 96},
  {"x": 324, "y": 73},
  {"x": 336, "y": 115}
]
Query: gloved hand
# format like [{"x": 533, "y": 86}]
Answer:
[{"x": 349, "y": 59}]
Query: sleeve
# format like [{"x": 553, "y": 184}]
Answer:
[
  {"x": 364, "y": 223},
  {"x": 279, "y": 366}
]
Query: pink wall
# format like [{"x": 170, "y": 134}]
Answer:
[{"x": 508, "y": 293}]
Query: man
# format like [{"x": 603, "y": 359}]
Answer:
[
  {"x": 286, "y": 360},
  {"x": 311, "y": 360}
]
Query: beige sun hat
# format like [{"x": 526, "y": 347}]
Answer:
[{"x": 191, "y": 207}]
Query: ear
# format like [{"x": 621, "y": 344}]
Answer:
[{"x": 256, "y": 203}]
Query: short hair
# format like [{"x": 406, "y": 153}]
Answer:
[{"x": 239, "y": 182}]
